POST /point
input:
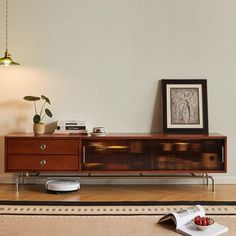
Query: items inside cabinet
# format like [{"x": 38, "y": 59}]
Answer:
[{"x": 189, "y": 155}]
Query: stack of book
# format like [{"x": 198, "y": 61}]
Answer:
[{"x": 71, "y": 127}]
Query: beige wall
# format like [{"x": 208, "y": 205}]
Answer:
[{"x": 101, "y": 61}]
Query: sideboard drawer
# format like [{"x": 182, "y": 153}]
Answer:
[
  {"x": 42, "y": 146},
  {"x": 42, "y": 163}
]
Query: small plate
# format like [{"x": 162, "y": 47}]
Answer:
[{"x": 98, "y": 134}]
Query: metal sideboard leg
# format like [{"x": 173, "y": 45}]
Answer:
[
  {"x": 212, "y": 182},
  {"x": 19, "y": 180},
  {"x": 17, "y": 184},
  {"x": 207, "y": 181}
]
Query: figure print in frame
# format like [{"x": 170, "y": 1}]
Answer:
[{"x": 185, "y": 106}]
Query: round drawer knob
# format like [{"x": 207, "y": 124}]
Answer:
[
  {"x": 43, "y": 146},
  {"x": 43, "y": 162}
]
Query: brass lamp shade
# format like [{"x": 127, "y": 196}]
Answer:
[{"x": 7, "y": 60}]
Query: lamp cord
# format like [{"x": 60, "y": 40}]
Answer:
[{"x": 6, "y": 25}]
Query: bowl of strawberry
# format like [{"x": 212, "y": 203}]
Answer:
[{"x": 203, "y": 223}]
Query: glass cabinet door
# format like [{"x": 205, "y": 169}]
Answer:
[
  {"x": 153, "y": 155},
  {"x": 189, "y": 155},
  {"x": 116, "y": 155}
]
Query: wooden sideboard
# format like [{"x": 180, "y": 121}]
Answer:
[{"x": 116, "y": 154}]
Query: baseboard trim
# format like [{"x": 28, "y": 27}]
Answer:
[
  {"x": 10, "y": 179},
  {"x": 116, "y": 203},
  {"x": 7, "y": 178}
]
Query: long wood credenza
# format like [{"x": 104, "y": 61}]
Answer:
[{"x": 143, "y": 155}]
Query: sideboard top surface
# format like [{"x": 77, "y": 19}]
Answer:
[{"x": 120, "y": 136}]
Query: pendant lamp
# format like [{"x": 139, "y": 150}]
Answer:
[{"x": 7, "y": 60}]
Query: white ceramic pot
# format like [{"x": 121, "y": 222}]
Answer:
[{"x": 39, "y": 128}]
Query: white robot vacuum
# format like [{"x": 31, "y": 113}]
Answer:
[{"x": 58, "y": 186}]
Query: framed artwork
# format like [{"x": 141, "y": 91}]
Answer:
[{"x": 185, "y": 106}]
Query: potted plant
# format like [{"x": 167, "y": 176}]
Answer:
[{"x": 39, "y": 126}]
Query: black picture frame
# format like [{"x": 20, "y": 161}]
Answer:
[{"x": 185, "y": 107}]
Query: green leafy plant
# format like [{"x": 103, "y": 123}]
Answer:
[{"x": 38, "y": 117}]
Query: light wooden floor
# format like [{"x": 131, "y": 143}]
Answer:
[{"x": 123, "y": 193}]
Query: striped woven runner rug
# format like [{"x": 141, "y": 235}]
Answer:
[{"x": 102, "y": 218}]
